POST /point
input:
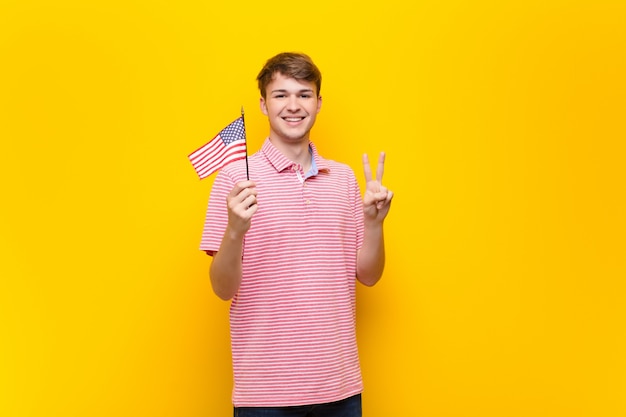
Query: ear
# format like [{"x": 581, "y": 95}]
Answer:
[
  {"x": 263, "y": 106},
  {"x": 319, "y": 103}
]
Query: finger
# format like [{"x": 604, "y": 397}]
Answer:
[
  {"x": 247, "y": 197},
  {"x": 369, "y": 198},
  {"x": 249, "y": 202},
  {"x": 389, "y": 196},
  {"x": 381, "y": 199},
  {"x": 242, "y": 187},
  {"x": 242, "y": 208},
  {"x": 381, "y": 167},
  {"x": 366, "y": 168},
  {"x": 241, "y": 201},
  {"x": 252, "y": 209}
]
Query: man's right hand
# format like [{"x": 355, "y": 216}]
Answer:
[{"x": 242, "y": 205}]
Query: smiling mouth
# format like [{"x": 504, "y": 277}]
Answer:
[{"x": 293, "y": 119}]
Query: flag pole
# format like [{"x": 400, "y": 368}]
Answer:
[{"x": 246, "y": 142}]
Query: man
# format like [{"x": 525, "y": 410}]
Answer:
[{"x": 287, "y": 246}]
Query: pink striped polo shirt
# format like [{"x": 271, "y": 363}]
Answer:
[{"x": 292, "y": 322}]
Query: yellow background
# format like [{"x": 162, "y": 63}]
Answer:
[{"x": 504, "y": 125}]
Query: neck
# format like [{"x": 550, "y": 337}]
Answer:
[{"x": 297, "y": 152}]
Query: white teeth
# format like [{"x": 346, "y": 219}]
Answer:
[{"x": 293, "y": 119}]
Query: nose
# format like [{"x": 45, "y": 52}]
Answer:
[{"x": 292, "y": 103}]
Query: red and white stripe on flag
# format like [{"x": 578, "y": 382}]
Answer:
[{"x": 229, "y": 145}]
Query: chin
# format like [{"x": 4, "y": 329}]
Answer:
[
  {"x": 299, "y": 138},
  {"x": 294, "y": 137}
]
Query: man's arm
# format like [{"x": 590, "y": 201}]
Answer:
[
  {"x": 370, "y": 261},
  {"x": 226, "y": 268}
]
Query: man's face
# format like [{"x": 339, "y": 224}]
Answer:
[{"x": 291, "y": 106}]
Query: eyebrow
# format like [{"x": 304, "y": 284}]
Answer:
[{"x": 304, "y": 90}]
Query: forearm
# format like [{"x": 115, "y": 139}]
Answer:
[
  {"x": 371, "y": 257},
  {"x": 226, "y": 268}
]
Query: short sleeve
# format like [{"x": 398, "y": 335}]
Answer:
[
  {"x": 357, "y": 207},
  {"x": 217, "y": 214}
]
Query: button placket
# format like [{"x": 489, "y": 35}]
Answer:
[{"x": 306, "y": 197}]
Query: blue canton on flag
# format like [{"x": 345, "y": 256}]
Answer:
[{"x": 232, "y": 132}]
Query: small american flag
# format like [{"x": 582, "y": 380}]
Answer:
[{"x": 229, "y": 145}]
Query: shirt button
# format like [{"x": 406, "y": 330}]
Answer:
[{"x": 308, "y": 201}]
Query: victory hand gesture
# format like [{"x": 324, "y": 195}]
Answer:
[{"x": 377, "y": 198}]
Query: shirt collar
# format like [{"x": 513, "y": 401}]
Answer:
[{"x": 280, "y": 162}]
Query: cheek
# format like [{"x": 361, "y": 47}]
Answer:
[{"x": 271, "y": 110}]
